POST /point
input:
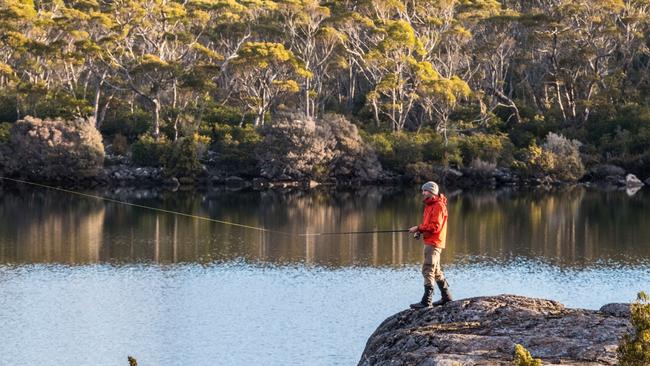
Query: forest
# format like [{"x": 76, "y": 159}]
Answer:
[{"x": 551, "y": 86}]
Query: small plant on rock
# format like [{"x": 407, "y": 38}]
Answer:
[
  {"x": 132, "y": 361},
  {"x": 635, "y": 348},
  {"x": 524, "y": 358}
]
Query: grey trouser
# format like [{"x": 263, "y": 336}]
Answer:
[{"x": 431, "y": 267}]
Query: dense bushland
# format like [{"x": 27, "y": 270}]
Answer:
[{"x": 538, "y": 87}]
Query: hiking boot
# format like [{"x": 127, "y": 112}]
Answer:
[
  {"x": 444, "y": 291},
  {"x": 426, "y": 299}
]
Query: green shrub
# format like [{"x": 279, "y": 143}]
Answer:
[
  {"x": 558, "y": 157},
  {"x": 235, "y": 147},
  {"x": 436, "y": 151},
  {"x": 568, "y": 163},
  {"x": 623, "y": 139},
  {"x": 8, "y": 110},
  {"x": 590, "y": 156},
  {"x": 535, "y": 161},
  {"x": 487, "y": 148},
  {"x": 407, "y": 148},
  {"x": 149, "y": 152},
  {"x": 523, "y": 358},
  {"x": 452, "y": 154},
  {"x": 202, "y": 144},
  {"x": 216, "y": 114},
  {"x": 398, "y": 150},
  {"x": 522, "y": 135},
  {"x": 5, "y": 132},
  {"x": 420, "y": 172},
  {"x": 123, "y": 122},
  {"x": 181, "y": 158},
  {"x": 380, "y": 143},
  {"x": 53, "y": 149},
  {"x": 521, "y": 138},
  {"x": 41, "y": 101},
  {"x": 632, "y": 118},
  {"x": 635, "y": 348}
]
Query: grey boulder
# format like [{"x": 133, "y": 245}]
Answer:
[{"x": 484, "y": 331}]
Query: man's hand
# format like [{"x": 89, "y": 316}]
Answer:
[{"x": 413, "y": 229}]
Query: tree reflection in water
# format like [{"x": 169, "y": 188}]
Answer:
[{"x": 569, "y": 227}]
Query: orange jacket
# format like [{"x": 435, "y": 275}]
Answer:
[{"x": 434, "y": 221}]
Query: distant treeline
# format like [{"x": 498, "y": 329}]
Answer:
[{"x": 451, "y": 82}]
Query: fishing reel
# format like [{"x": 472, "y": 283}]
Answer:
[{"x": 417, "y": 235}]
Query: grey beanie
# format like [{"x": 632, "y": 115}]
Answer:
[{"x": 431, "y": 187}]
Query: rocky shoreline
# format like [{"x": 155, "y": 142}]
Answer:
[
  {"x": 484, "y": 331},
  {"x": 122, "y": 173},
  {"x": 119, "y": 171}
]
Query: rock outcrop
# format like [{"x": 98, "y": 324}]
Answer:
[
  {"x": 484, "y": 331},
  {"x": 606, "y": 172},
  {"x": 631, "y": 181}
]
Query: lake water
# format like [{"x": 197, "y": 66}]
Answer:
[{"x": 88, "y": 282}]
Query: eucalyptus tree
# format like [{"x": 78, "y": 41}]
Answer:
[
  {"x": 26, "y": 52},
  {"x": 47, "y": 45},
  {"x": 449, "y": 31},
  {"x": 265, "y": 72},
  {"x": 589, "y": 50},
  {"x": 440, "y": 96},
  {"x": 82, "y": 33},
  {"x": 575, "y": 45},
  {"x": 395, "y": 61},
  {"x": 152, "y": 48},
  {"x": 55, "y": 49},
  {"x": 356, "y": 29},
  {"x": 387, "y": 51},
  {"x": 496, "y": 47},
  {"x": 16, "y": 22},
  {"x": 633, "y": 51},
  {"x": 313, "y": 42},
  {"x": 229, "y": 25}
]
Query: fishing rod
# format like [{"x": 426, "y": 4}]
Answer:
[
  {"x": 355, "y": 232},
  {"x": 102, "y": 198}
]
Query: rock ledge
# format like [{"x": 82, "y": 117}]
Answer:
[{"x": 484, "y": 331}]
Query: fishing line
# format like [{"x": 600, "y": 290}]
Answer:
[
  {"x": 101, "y": 198},
  {"x": 148, "y": 207}
]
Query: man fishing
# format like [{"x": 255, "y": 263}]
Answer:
[{"x": 433, "y": 231}]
